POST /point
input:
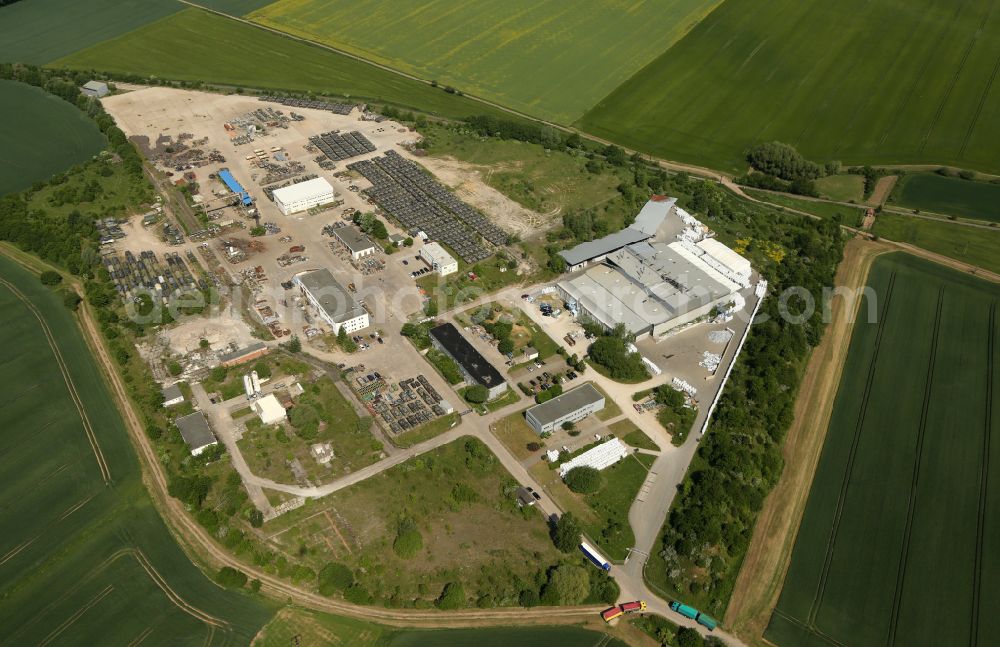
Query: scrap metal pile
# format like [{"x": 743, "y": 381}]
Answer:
[
  {"x": 416, "y": 403},
  {"x": 341, "y": 147},
  {"x": 336, "y": 108},
  {"x": 145, "y": 274},
  {"x": 418, "y": 201}
]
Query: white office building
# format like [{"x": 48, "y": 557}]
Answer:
[
  {"x": 440, "y": 261},
  {"x": 331, "y": 302},
  {"x": 572, "y": 406},
  {"x": 304, "y": 195}
]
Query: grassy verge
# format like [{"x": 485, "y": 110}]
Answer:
[
  {"x": 850, "y": 216},
  {"x": 633, "y": 436},
  {"x": 611, "y": 409},
  {"x": 427, "y": 431},
  {"x": 621, "y": 483}
]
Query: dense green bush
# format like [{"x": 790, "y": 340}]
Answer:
[
  {"x": 783, "y": 161},
  {"x": 408, "y": 540},
  {"x": 334, "y": 578},
  {"x": 566, "y": 533},
  {"x": 452, "y": 597},
  {"x": 583, "y": 480},
  {"x": 231, "y": 578}
]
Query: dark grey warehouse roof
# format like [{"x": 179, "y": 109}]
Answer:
[
  {"x": 195, "y": 431},
  {"x": 468, "y": 357},
  {"x": 565, "y": 404}
]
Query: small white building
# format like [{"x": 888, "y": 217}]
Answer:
[
  {"x": 323, "y": 453},
  {"x": 96, "y": 89},
  {"x": 172, "y": 395},
  {"x": 357, "y": 244},
  {"x": 269, "y": 410},
  {"x": 440, "y": 261},
  {"x": 304, "y": 195}
]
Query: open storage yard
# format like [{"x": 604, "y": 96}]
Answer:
[
  {"x": 897, "y": 542},
  {"x": 548, "y": 58},
  {"x": 84, "y": 556},
  {"x": 859, "y": 81},
  {"x": 42, "y": 135}
]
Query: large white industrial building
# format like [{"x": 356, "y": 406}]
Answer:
[
  {"x": 440, "y": 260},
  {"x": 656, "y": 287},
  {"x": 331, "y": 302},
  {"x": 304, "y": 195}
]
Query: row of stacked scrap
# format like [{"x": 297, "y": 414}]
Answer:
[
  {"x": 417, "y": 201},
  {"x": 336, "y": 108},
  {"x": 145, "y": 273},
  {"x": 339, "y": 147},
  {"x": 416, "y": 403}
]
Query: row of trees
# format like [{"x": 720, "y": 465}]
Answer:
[{"x": 712, "y": 519}]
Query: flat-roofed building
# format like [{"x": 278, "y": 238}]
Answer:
[
  {"x": 304, "y": 195},
  {"x": 439, "y": 259},
  {"x": 331, "y": 302},
  {"x": 96, "y": 89},
  {"x": 646, "y": 225},
  {"x": 572, "y": 406},
  {"x": 650, "y": 288},
  {"x": 172, "y": 395},
  {"x": 269, "y": 410},
  {"x": 475, "y": 368},
  {"x": 196, "y": 433},
  {"x": 357, "y": 244},
  {"x": 243, "y": 355}
]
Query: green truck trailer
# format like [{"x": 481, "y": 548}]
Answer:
[{"x": 692, "y": 613}]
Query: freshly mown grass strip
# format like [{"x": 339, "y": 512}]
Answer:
[
  {"x": 41, "y": 31},
  {"x": 42, "y": 135},
  {"x": 890, "y": 543},
  {"x": 949, "y": 196},
  {"x": 547, "y": 58},
  {"x": 71, "y": 544},
  {"x": 195, "y": 45},
  {"x": 859, "y": 81}
]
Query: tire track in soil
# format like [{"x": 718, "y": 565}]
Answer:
[
  {"x": 70, "y": 386},
  {"x": 841, "y": 499},
  {"x": 897, "y": 596},
  {"x": 983, "y": 481}
]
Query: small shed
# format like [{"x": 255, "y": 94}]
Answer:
[
  {"x": 172, "y": 395},
  {"x": 524, "y": 498},
  {"x": 96, "y": 89}
]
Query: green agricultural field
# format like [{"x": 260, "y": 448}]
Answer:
[
  {"x": 862, "y": 81},
  {"x": 40, "y": 31},
  {"x": 897, "y": 542},
  {"x": 547, "y": 58},
  {"x": 84, "y": 557},
  {"x": 976, "y": 245},
  {"x": 42, "y": 135},
  {"x": 950, "y": 196},
  {"x": 194, "y": 45},
  {"x": 233, "y": 7}
]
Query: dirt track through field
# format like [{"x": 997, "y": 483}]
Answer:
[{"x": 759, "y": 583}]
